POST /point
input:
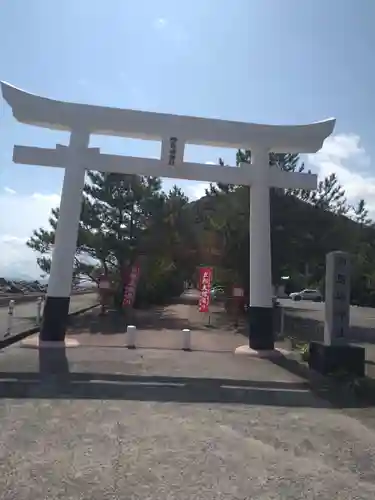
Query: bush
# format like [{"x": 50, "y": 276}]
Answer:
[
  {"x": 160, "y": 290},
  {"x": 156, "y": 286},
  {"x": 305, "y": 352}
]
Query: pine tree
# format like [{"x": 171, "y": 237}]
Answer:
[
  {"x": 360, "y": 214},
  {"x": 125, "y": 218},
  {"x": 115, "y": 212}
]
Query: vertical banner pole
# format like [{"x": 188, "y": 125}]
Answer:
[
  {"x": 205, "y": 279},
  {"x": 10, "y": 318}
]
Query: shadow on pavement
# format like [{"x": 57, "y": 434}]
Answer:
[
  {"x": 55, "y": 381},
  {"x": 156, "y": 389},
  {"x": 53, "y": 361}
]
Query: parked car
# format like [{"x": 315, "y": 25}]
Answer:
[
  {"x": 275, "y": 303},
  {"x": 307, "y": 294}
]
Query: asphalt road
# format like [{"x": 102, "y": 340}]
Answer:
[
  {"x": 363, "y": 317},
  {"x": 24, "y": 316}
]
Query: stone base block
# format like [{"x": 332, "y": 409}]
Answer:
[
  {"x": 245, "y": 350},
  {"x": 327, "y": 359},
  {"x": 35, "y": 343}
]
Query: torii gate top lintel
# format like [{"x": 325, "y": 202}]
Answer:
[{"x": 48, "y": 113}]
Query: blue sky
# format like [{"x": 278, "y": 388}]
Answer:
[{"x": 270, "y": 61}]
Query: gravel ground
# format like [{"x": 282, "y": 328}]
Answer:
[{"x": 111, "y": 423}]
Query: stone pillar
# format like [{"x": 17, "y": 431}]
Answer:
[
  {"x": 56, "y": 307},
  {"x": 337, "y": 298},
  {"x": 260, "y": 296},
  {"x": 335, "y": 354}
]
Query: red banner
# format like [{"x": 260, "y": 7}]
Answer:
[
  {"x": 131, "y": 286},
  {"x": 205, "y": 279}
]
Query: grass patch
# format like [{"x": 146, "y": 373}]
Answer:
[
  {"x": 302, "y": 347},
  {"x": 342, "y": 386}
]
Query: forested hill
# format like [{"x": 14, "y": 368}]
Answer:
[{"x": 304, "y": 228}]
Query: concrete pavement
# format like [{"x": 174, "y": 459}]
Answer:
[
  {"x": 112, "y": 423},
  {"x": 25, "y": 313},
  {"x": 103, "y": 422}
]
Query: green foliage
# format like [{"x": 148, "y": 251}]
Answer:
[
  {"x": 126, "y": 218},
  {"x": 302, "y": 347},
  {"x": 305, "y": 352},
  {"x": 305, "y": 226},
  {"x": 160, "y": 290}
]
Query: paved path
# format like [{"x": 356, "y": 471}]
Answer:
[
  {"x": 25, "y": 314},
  {"x": 160, "y": 328},
  {"x": 101, "y": 422}
]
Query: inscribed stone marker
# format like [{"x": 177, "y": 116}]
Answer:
[{"x": 337, "y": 298}]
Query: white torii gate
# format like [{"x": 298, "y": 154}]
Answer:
[{"x": 174, "y": 132}]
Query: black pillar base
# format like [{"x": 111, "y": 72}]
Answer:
[
  {"x": 327, "y": 359},
  {"x": 55, "y": 319},
  {"x": 261, "y": 328}
]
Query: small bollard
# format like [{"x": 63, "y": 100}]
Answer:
[
  {"x": 39, "y": 303},
  {"x": 186, "y": 339},
  {"x": 10, "y": 318},
  {"x": 131, "y": 331}
]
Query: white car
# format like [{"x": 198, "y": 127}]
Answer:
[{"x": 307, "y": 294}]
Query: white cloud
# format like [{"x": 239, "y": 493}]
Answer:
[
  {"x": 172, "y": 32},
  {"x": 196, "y": 190},
  {"x": 7, "y": 238},
  {"x": 23, "y": 214},
  {"x": 160, "y": 23},
  {"x": 82, "y": 82},
  {"x": 9, "y": 190},
  {"x": 343, "y": 155},
  {"x": 50, "y": 199}
]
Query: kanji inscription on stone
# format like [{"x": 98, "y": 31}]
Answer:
[{"x": 337, "y": 298}]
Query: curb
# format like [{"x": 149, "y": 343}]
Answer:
[{"x": 35, "y": 329}]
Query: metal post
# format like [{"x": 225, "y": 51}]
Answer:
[
  {"x": 131, "y": 331},
  {"x": 186, "y": 339},
  {"x": 10, "y": 318},
  {"x": 39, "y": 303}
]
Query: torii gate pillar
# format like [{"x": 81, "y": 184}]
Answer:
[
  {"x": 174, "y": 132},
  {"x": 260, "y": 312}
]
